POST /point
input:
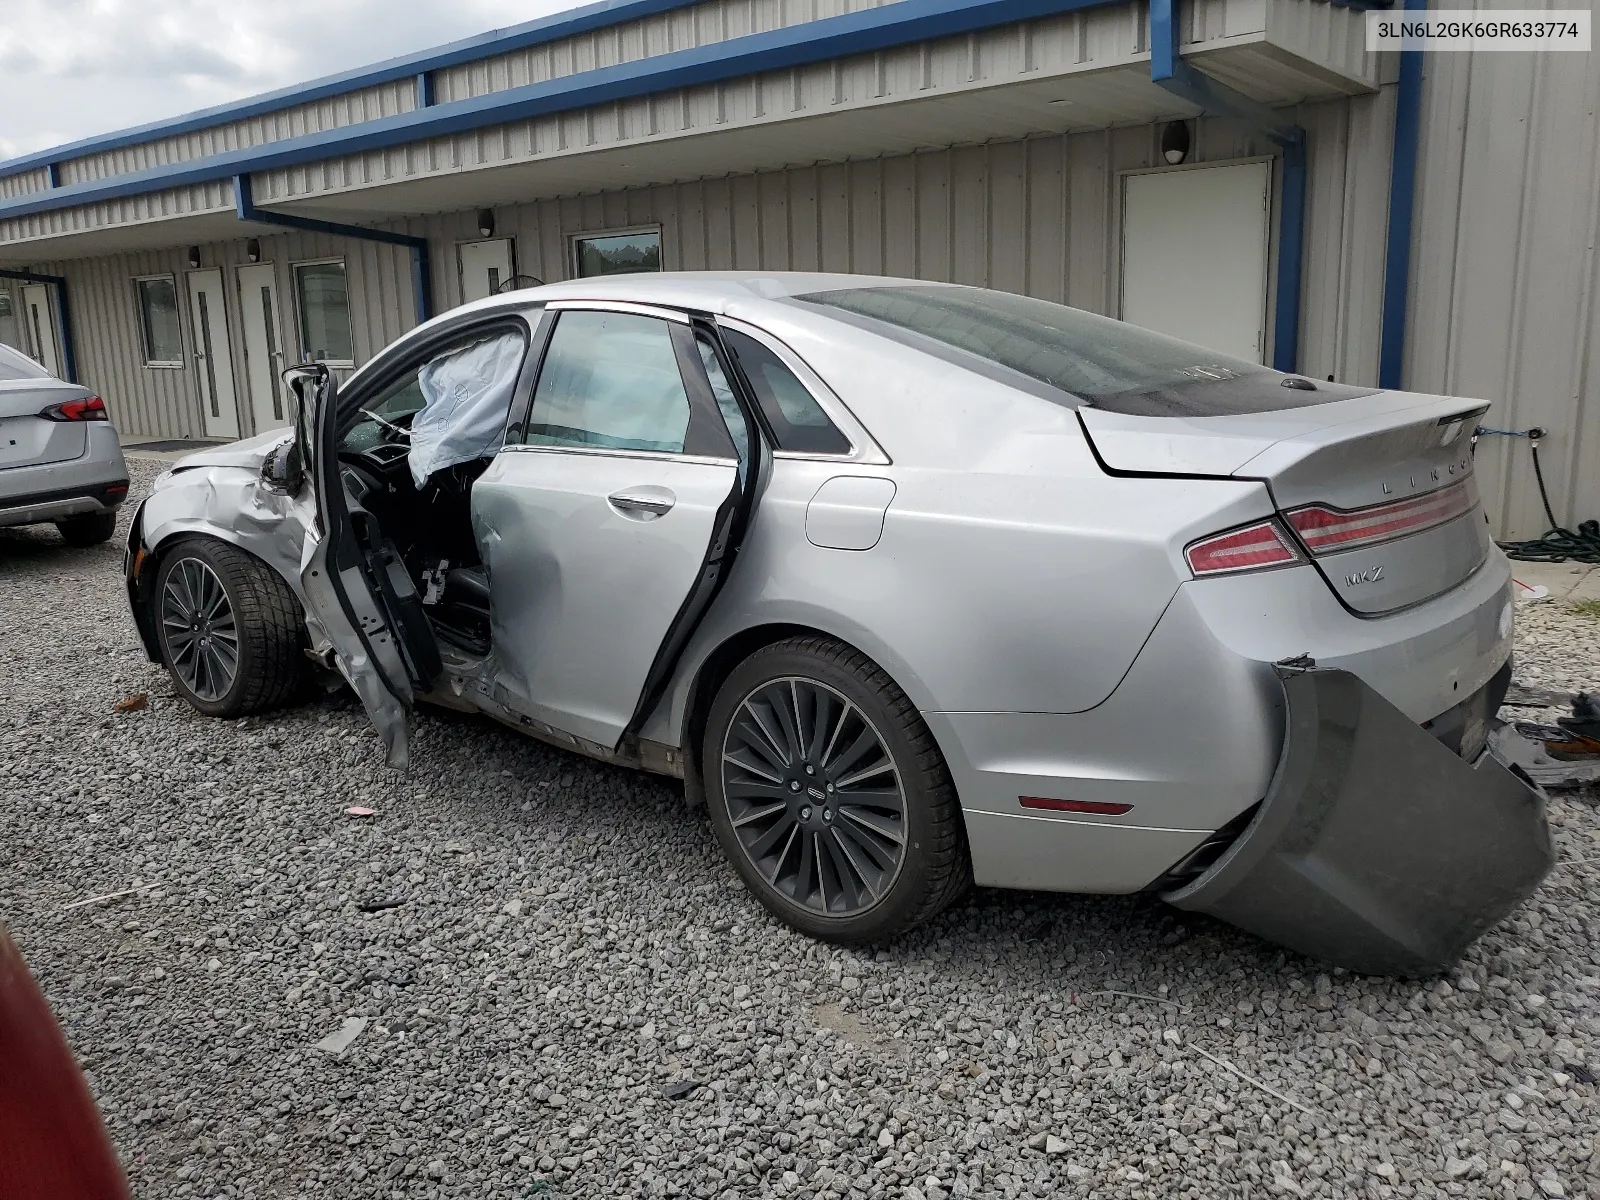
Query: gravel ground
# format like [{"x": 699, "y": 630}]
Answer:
[{"x": 568, "y": 941}]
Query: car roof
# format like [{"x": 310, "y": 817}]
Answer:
[
  {"x": 29, "y": 368},
  {"x": 708, "y": 291}
]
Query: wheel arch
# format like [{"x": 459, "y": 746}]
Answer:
[{"x": 174, "y": 535}]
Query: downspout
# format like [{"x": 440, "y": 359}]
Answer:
[
  {"x": 69, "y": 352},
  {"x": 421, "y": 273},
  {"x": 1402, "y": 205},
  {"x": 1169, "y": 71}
]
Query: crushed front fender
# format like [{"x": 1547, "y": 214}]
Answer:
[{"x": 1376, "y": 848}]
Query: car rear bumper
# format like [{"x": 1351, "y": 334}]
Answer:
[
  {"x": 1190, "y": 740},
  {"x": 68, "y": 502},
  {"x": 1376, "y": 847},
  {"x": 94, "y": 482}
]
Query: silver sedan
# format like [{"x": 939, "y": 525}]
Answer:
[
  {"x": 915, "y": 585},
  {"x": 60, "y": 460}
]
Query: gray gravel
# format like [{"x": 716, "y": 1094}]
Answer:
[{"x": 569, "y": 941}]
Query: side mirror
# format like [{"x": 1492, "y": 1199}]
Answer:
[
  {"x": 285, "y": 468},
  {"x": 284, "y": 471}
]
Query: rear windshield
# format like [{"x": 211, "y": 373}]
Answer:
[
  {"x": 1093, "y": 360},
  {"x": 16, "y": 365}
]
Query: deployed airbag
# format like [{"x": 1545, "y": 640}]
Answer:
[{"x": 466, "y": 399}]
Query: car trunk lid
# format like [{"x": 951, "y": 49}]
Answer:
[
  {"x": 1378, "y": 487},
  {"x": 26, "y": 438}
]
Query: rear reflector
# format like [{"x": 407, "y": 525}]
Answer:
[
  {"x": 1252, "y": 548},
  {"x": 1097, "y": 807},
  {"x": 1325, "y": 530},
  {"x": 90, "y": 408}
]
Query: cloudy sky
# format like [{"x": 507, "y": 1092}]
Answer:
[{"x": 71, "y": 68}]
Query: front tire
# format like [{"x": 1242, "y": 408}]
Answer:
[
  {"x": 829, "y": 795},
  {"x": 229, "y": 628},
  {"x": 91, "y": 530}
]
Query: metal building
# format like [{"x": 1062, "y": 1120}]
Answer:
[{"x": 1238, "y": 172}]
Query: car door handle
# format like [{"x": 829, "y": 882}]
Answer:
[{"x": 655, "y": 502}]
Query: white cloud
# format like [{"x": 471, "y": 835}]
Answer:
[{"x": 73, "y": 68}]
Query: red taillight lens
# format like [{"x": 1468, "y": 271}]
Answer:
[
  {"x": 1325, "y": 530},
  {"x": 1249, "y": 549},
  {"x": 90, "y": 408}
]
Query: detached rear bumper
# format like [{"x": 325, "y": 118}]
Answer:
[{"x": 1376, "y": 848}]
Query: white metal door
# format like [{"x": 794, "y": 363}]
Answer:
[
  {"x": 212, "y": 359},
  {"x": 39, "y": 316},
  {"x": 263, "y": 345},
  {"x": 10, "y": 326},
  {"x": 1194, "y": 255},
  {"x": 484, "y": 267}
]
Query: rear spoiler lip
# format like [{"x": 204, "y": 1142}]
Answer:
[{"x": 1471, "y": 414}]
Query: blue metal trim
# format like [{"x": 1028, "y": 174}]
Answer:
[
  {"x": 496, "y": 41},
  {"x": 1402, "y": 205},
  {"x": 421, "y": 270},
  {"x": 1168, "y": 70},
  {"x": 69, "y": 349},
  {"x": 817, "y": 41},
  {"x": 1291, "y": 257}
]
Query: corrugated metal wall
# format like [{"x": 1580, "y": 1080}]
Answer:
[
  {"x": 24, "y": 182},
  {"x": 162, "y": 402},
  {"x": 1040, "y": 216},
  {"x": 352, "y": 108},
  {"x": 193, "y": 200},
  {"x": 700, "y": 25},
  {"x": 1503, "y": 302}
]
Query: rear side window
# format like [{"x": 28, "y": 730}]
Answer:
[
  {"x": 16, "y": 365},
  {"x": 610, "y": 380},
  {"x": 797, "y": 420},
  {"x": 1092, "y": 359}
]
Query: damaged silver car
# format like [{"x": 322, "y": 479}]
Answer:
[{"x": 916, "y": 585}]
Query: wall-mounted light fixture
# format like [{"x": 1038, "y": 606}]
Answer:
[
  {"x": 486, "y": 222},
  {"x": 1175, "y": 142},
  {"x": 194, "y": 256},
  {"x": 252, "y": 250}
]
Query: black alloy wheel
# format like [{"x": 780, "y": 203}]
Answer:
[
  {"x": 814, "y": 796},
  {"x": 829, "y": 795}
]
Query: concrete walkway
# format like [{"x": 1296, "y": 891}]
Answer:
[{"x": 1566, "y": 580}]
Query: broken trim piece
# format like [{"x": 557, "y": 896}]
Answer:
[{"x": 1376, "y": 849}]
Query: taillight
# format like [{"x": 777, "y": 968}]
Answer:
[
  {"x": 90, "y": 408},
  {"x": 1252, "y": 548},
  {"x": 1325, "y": 530}
]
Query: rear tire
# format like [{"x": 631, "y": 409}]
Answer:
[
  {"x": 229, "y": 628},
  {"x": 848, "y": 828},
  {"x": 91, "y": 530}
]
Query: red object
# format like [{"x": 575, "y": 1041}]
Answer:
[
  {"x": 1325, "y": 529},
  {"x": 52, "y": 1143},
  {"x": 1256, "y": 546},
  {"x": 1103, "y": 808},
  {"x": 90, "y": 408}
]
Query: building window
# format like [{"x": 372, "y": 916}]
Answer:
[
  {"x": 617, "y": 253},
  {"x": 158, "y": 321},
  {"x": 324, "y": 304}
]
